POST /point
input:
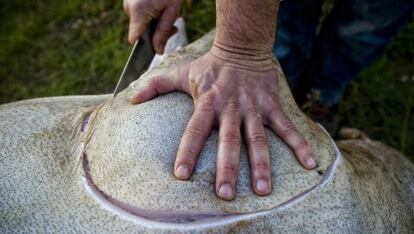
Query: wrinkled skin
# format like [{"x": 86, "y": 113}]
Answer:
[
  {"x": 233, "y": 86},
  {"x": 229, "y": 95},
  {"x": 367, "y": 188}
]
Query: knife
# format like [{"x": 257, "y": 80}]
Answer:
[{"x": 139, "y": 60}]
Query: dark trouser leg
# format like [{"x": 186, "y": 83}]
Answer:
[
  {"x": 353, "y": 35},
  {"x": 295, "y": 35}
]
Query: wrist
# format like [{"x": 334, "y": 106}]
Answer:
[
  {"x": 247, "y": 58},
  {"x": 246, "y": 27}
]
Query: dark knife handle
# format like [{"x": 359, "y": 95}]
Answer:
[
  {"x": 139, "y": 60},
  {"x": 149, "y": 33}
]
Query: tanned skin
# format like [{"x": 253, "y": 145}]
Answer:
[{"x": 234, "y": 86}]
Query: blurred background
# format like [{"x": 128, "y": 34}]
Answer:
[{"x": 50, "y": 48}]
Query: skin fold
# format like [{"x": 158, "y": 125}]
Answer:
[{"x": 233, "y": 87}]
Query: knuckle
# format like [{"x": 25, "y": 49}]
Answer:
[
  {"x": 232, "y": 105},
  {"x": 287, "y": 128},
  {"x": 206, "y": 103},
  {"x": 275, "y": 112},
  {"x": 139, "y": 5},
  {"x": 272, "y": 104},
  {"x": 302, "y": 145},
  {"x": 154, "y": 82},
  {"x": 164, "y": 31},
  {"x": 256, "y": 137},
  {"x": 229, "y": 169},
  {"x": 194, "y": 132},
  {"x": 230, "y": 116},
  {"x": 231, "y": 137},
  {"x": 261, "y": 166},
  {"x": 251, "y": 111},
  {"x": 231, "y": 113},
  {"x": 206, "y": 108},
  {"x": 164, "y": 27},
  {"x": 188, "y": 155},
  {"x": 166, "y": 23}
]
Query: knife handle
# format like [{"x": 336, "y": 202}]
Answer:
[{"x": 149, "y": 33}]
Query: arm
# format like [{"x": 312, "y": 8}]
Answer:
[
  {"x": 246, "y": 32},
  {"x": 234, "y": 87}
]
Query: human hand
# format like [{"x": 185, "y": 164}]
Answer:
[
  {"x": 230, "y": 96},
  {"x": 142, "y": 12}
]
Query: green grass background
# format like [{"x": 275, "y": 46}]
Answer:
[{"x": 50, "y": 48}]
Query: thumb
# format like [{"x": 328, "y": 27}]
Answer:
[
  {"x": 137, "y": 25},
  {"x": 175, "y": 80},
  {"x": 156, "y": 86}
]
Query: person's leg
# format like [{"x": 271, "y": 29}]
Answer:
[
  {"x": 295, "y": 34},
  {"x": 353, "y": 35}
]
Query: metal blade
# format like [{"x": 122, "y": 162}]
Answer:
[{"x": 138, "y": 62}]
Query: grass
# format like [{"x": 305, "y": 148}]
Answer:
[
  {"x": 380, "y": 101},
  {"x": 50, "y": 48}
]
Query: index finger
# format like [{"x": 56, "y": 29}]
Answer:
[
  {"x": 137, "y": 25},
  {"x": 196, "y": 133}
]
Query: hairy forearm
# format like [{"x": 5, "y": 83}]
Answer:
[{"x": 246, "y": 28}]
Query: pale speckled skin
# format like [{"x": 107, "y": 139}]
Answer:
[{"x": 131, "y": 149}]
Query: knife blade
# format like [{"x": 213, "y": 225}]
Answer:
[{"x": 138, "y": 61}]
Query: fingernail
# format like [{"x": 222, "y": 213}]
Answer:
[
  {"x": 133, "y": 99},
  {"x": 182, "y": 172},
  {"x": 225, "y": 191},
  {"x": 161, "y": 48},
  {"x": 262, "y": 186},
  {"x": 311, "y": 162}
]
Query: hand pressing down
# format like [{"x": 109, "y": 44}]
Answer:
[{"x": 231, "y": 96}]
